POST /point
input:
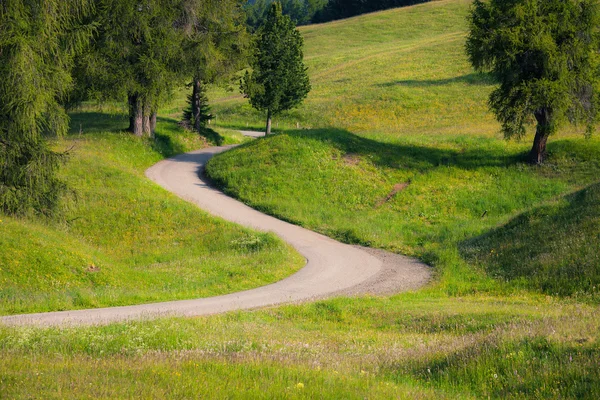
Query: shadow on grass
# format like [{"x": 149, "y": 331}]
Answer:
[
  {"x": 552, "y": 249},
  {"x": 529, "y": 367},
  {"x": 477, "y": 79},
  {"x": 95, "y": 122},
  {"x": 212, "y": 136},
  {"x": 466, "y": 153}
]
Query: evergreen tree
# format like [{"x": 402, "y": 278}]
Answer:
[
  {"x": 278, "y": 80},
  {"x": 544, "y": 54},
  {"x": 214, "y": 48},
  {"x": 197, "y": 113},
  {"x": 38, "y": 42},
  {"x": 136, "y": 55}
]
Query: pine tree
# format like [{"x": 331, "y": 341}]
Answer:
[
  {"x": 214, "y": 48},
  {"x": 278, "y": 80},
  {"x": 544, "y": 54},
  {"x": 38, "y": 42},
  {"x": 197, "y": 113},
  {"x": 136, "y": 56}
]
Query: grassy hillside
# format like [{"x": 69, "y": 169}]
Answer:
[
  {"x": 553, "y": 248},
  {"x": 414, "y": 165},
  {"x": 427, "y": 170},
  {"x": 394, "y": 73},
  {"x": 122, "y": 239}
]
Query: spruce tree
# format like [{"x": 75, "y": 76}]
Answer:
[
  {"x": 544, "y": 54},
  {"x": 278, "y": 80},
  {"x": 197, "y": 113},
  {"x": 213, "y": 49},
  {"x": 38, "y": 42},
  {"x": 136, "y": 55}
]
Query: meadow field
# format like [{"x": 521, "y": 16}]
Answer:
[
  {"x": 394, "y": 148},
  {"x": 120, "y": 239}
]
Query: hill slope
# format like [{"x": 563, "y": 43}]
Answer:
[
  {"x": 123, "y": 240},
  {"x": 469, "y": 335}
]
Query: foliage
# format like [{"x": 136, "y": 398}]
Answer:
[
  {"x": 38, "y": 43},
  {"x": 136, "y": 55},
  {"x": 544, "y": 55},
  {"x": 197, "y": 113},
  {"x": 278, "y": 80},
  {"x": 301, "y": 12},
  {"x": 338, "y": 9},
  {"x": 214, "y": 48}
]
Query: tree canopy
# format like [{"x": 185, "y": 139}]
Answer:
[
  {"x": 300, "y": 11},
  {"x": 278, "y": 80},
  {"x": 544, "y": 54},
  {"x": 214, "y": 48},
  {"x": 136, "y": 54},
  {"x": 338, "y": 9},
  {"x": 39, "y": 40}
]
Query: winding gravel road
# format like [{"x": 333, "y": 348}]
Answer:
[{"x": 332, "y": 268}]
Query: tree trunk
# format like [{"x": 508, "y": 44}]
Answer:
[
  {"x": 152, "y": 123},
  {"x": 268, "y": 130},
  {"x": 146, "y": 124},
  {"x": 543, "y": 130},
  {"x": 196, "y": 106},
  {"x": 135, "y": 115},
  {"x": 131, "y": 101}
]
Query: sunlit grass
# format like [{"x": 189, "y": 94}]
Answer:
[
  {"x": 411, "y": 119},
  {"x": 123, "y": 240}
]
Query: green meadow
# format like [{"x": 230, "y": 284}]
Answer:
[
  {"x": 394, "y": 148},
  {"x": 121, "y": 239}
]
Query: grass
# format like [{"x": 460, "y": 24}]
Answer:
[
  {"x": 414, "y": 165},
  {"x": 552, "y": 248},
  {"x": 408, "y": 346},
  {"x": 414, "y": 78},
  {"x": 451, "y": 190},
  {"x": 123, "y": 240}
]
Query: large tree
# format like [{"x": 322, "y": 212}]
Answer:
[
  {"x": 278, "y": 80},
  {"x": 135, "y": 55},
  {"x": 544, "y": 54},
  {"x": 38, "y": 42},
  {"x": 213, "y": 49}
]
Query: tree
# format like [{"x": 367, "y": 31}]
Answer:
[
  {"x": 135, "y": 55},
  {"x": 544, "y": 54},
  {"x": 214, "y": 48},
  {"x": 38, "y": 42},
  {"x": 278, "y": 80}
]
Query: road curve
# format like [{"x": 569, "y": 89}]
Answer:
[{"x": 331, "y": 268}]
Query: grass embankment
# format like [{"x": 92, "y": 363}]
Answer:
[
  {"x": 471, "y": 334},
  {"x": 425, "y": 198},
  {"x": 123, "y": 240}
]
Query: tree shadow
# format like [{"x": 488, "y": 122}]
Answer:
[
  {"x": 95, "y": 122},
  {"x": 551, "y": 249},
  {"x": 212, "y": 136},
  {"x": 537, "y": 360},
  {"x": 476, "y": 79},
  {"x": 470, "y": 154}
]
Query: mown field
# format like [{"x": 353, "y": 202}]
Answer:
[{"x": 399, "y": 152}]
